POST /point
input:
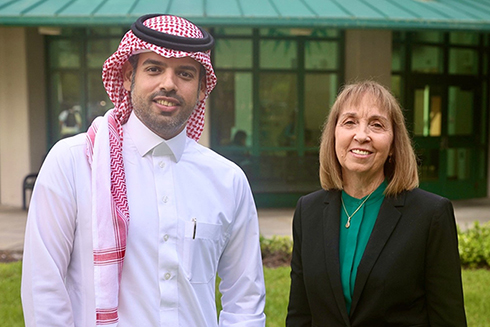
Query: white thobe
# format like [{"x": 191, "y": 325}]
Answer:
[{"x": 192, "y": 215}]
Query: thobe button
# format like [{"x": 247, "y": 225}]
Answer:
[
  {"x": 165, "y": 237},
  {"x": 165, "y": 199},
  {"x": 162, "y": 164},
  {"x": 167, "y": 276}
]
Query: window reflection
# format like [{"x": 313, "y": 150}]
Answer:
[
  {"x": 278, "y": 54},
  {"x": 397, "y": 57},
  {"x": 463, "y": 61},
  {"x": 233, "y": 53},
  {"x": 426, "y": 59},
  {"x": 458, "y": 163},
  {"x": 98, "y": 101},
  {"x": 65, "y": 88},
  {"x": 320, "y": 91},
  {"x": 64, "y": 54},
  {"x": 321, "y": 55},
  {"x": 396, "y": 87},
  {"x": 233, "y": 105},
  {"x": 278, "y": 109},
  {"x": 464, "y": 38},
  {"x": 460, "y": 111},
  {"x": 428, "y": 164},
  {"x": 99, "y": 50},
  {"x": 427, "y": 112},
  {"x": 428, "y": 36},
  {"x": 275, "y": 137},
  {"x": 75, "y": 69},
  {"x": 280, "y": 171}
]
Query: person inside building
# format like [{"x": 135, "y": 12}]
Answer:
[
  {"x": 130, "y": 223},
  {"x": 70, "y": 121},
  {"x": 371, "y": 248}
]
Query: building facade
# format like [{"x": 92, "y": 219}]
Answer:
[{"x": 277, "y": 78}]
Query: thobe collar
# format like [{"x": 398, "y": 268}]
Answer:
[{"x": 147, "y": 142}]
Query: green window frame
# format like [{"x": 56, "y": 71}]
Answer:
[
  {"x": 441, "y": 79},
  {"x": 74, "y": 73},
  {"x": 275, "y": 88}
]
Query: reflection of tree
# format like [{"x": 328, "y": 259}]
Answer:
[
  {"x": 288, "y": 133},
  {"x": 278, "y": 100},
  {"x": 287, "y": 43},
  {"x": 98, "y": 100},
  {"x": 66, "y": 54},
  {"x": 224, "y": 103}
]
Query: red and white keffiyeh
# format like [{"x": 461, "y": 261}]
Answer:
[{"x": 110, "y": 211}]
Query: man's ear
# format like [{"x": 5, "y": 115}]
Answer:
[
  {"x": 127, "y": 72},
  {"x": 202, "y": 89}
]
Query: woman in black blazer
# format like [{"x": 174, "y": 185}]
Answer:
[{"x": 371, "y": 249}]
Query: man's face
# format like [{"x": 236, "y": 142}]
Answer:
[{"x": 164, "y": 91}]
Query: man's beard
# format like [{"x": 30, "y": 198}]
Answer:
[{"x": 158, "y": 123}]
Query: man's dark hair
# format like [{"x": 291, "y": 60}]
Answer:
[{"x": 133, "y": 60}]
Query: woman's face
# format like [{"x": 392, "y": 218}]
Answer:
[{"x": 363, "y": 139}]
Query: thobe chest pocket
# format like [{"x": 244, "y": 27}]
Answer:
[{"x": 201, "y": 251}]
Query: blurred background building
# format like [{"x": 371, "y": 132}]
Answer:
[{"x": 280, "y": 64}]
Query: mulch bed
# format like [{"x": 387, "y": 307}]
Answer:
[
  {"x": 269, "y": 260},
  {"x": 10, "y": 256},
  {"x": 274, "y": 260}
]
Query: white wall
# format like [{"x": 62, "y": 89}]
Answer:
[
  {"x": 22, "y": 109},
  {"x": 368, "y": 55},
  {"x": 36, "y": 82},
  {"x": 205, "y": 139}
]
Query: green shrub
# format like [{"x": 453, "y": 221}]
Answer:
[{"x": 474, "y": 246}]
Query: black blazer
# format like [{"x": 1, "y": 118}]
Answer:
[{"x": 409, "y": 275}]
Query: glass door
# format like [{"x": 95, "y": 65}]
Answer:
[{"x": 444, "y": 120}]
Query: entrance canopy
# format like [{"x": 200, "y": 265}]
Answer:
[{"x": 380, "y": 14}]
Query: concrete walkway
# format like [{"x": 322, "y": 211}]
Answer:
[{"x": 272, "y": 221}]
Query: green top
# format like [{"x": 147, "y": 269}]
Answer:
[{"x": 353, "y": 240}]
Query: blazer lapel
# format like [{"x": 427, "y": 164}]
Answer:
[
  {"x": 386, "y": 222},
  {"x": 331, "y": 232}
]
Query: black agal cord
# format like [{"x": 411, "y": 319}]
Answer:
[{"x": 169, "y": 41}]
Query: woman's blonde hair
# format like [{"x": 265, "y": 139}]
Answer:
[{"x": 400, "y": 168}]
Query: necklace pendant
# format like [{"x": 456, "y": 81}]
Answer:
[{"x": 347, "y": 225}]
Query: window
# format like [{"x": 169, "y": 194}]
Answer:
[
  {"x": 275, "y": 87},
  {"x": 75, "y": 77},
  {"x": 441, "y": 80}
]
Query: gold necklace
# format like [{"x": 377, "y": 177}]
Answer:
[{"x": 347, "y": 225}]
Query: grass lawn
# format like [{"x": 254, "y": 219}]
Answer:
[
  {"x": 476, "y": 285},
  {"x": 10, "y": 306}
]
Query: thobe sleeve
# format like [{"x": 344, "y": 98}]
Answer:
[
  {"x": 48, "y": 243},
  {"x": 240, "y": 267}
]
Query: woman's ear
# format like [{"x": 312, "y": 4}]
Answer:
[{"x": 127, "y": 71}]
